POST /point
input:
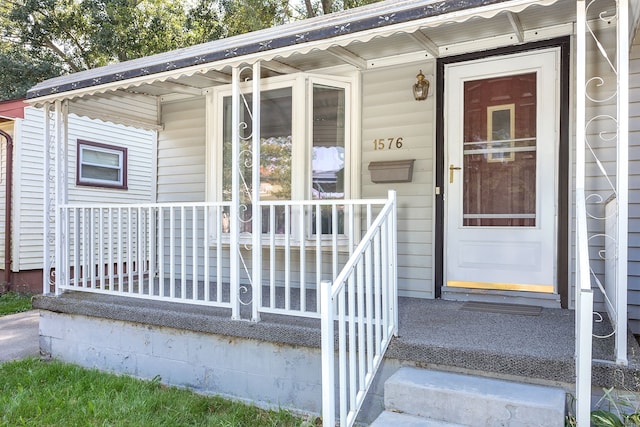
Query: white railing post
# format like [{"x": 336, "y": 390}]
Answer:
[
  {"x": 584, "y": 316},
  {"x": 394, "y": 261},
  {"x": 328, "y": 362}
]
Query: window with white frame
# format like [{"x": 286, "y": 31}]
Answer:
[
  {"x": 101, "y": 165},
  {"x": 303, "y": 153}
]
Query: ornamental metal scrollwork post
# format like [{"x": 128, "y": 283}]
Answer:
[
  {"x": 49, "y": 180},
  {"x": 56, "y": 225},
  {"x": 61, "y": 115},
  {"x": 605, "y": 133},
  {"x": 245, "y": 191}
]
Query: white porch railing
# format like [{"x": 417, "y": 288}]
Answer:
[
  {"x": 181, "y": 252},
  {"x": 362, "y": 301},
  {"x": 172, "y": 252},
  {"x": 322, "y": 236}
]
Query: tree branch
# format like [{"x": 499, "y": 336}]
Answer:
[
  {"x": 327, "y": 6},
  {"x": 49, "y": 44},
  {"x": 309, "y": 6}
]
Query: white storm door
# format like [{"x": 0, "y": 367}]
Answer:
[{"x": 502, "y": 128}]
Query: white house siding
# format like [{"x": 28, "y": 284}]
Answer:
[
  {"x": 634, "y": 189},
  {"x": 182, "y": 152},
  {"x": 182, "y": 165},
  {"x": 389, "y": 111},
  {"x": 29, "y": 176},
  {"x": 8, "y": 128}
]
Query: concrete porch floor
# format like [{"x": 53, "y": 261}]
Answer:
[{"x": 432, "y": 333}]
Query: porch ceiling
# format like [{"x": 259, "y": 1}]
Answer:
[{"x": 455, "y": 29}]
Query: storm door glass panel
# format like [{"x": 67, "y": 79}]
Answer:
[
  {"x": 500, "y": 152},
  {"x": 275, "y": 155},
  {"x": 328, "y": 156}
]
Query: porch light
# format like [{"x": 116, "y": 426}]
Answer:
[{"x": 421, "y": 87}]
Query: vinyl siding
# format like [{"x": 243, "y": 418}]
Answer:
[
  {"x": 8, "y": 128},
  {"x": 633, "y": 278},
  {"x": 389, "y": 111},
  {"x": 29, "y": 178},
  {"x": 182, "y": 152}
]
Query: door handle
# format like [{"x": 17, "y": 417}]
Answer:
[{"x": 451, "y": 169}]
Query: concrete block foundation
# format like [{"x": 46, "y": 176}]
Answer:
[{"x": 269, "y": 374}]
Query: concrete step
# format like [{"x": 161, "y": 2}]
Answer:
[
  {"x": 473, "y": 401},
  {"x": 396, "y": 419}
]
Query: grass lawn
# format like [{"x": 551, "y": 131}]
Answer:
[
  {"x": 38, "y": 393},
  {"x": 13, "y": 302}
]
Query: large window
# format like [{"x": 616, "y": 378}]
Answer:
[
  {"x": 303, "y": 146},
  {"x": 275, "y": 152},
  {"x": 101, "y": 165}
]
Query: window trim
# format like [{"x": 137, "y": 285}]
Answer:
[
  {"x": 302, "y": 85},
  {"x": 105, "y": 148}
]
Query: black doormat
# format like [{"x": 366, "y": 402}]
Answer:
[{"x": 494, "y": 307}]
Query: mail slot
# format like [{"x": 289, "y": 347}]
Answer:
[{"x": 391, "y": 171}]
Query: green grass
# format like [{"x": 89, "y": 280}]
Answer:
[
  {"x": 38, "y": 393},
  {"x": 13, "y": 302}
]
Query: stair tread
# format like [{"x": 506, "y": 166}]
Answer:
[
  {"x": 467, "y": 399},
  {"x": 468, "y": 384}
]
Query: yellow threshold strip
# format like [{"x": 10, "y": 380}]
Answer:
[{"x": 548, "y": 289}]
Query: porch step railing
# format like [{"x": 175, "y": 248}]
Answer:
[
  {"x": 361, "y": 305},
  {"x": 584, "y": 313}
]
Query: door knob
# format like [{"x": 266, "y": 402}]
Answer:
[{"x": 451, "y": 169}]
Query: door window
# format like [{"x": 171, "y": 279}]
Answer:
[{"x": 500, "y": 152}]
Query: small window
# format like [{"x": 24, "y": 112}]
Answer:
[{"x": 101, "y": 165}]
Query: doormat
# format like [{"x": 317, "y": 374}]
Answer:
[{"x": 494, "y": 307}]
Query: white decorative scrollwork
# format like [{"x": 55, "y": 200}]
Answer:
[
  {"x": 601, "y": 141},
  {"x": 245, "y": 163},
  {"x": 50, "y": 197}
]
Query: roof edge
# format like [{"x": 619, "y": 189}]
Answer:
[{"x": 306, "y": 32}]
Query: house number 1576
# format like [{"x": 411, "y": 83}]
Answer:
[{"x": 387, "y": 143}]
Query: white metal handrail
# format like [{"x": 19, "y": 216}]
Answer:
[{"x": 363, "y": 302}]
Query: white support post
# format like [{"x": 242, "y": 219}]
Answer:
[
  {"x": 48, "y": 227},
  {"x": 256, "y": 226},
  {"x": 328, "y": 362},
  {"x": 583, "y": 294},
  {"x": 622, "y": 179},
  {"x": 580, "y": 118},
  {"x": 234, "y": 210},
  {"x": 61, "y": 191}
]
